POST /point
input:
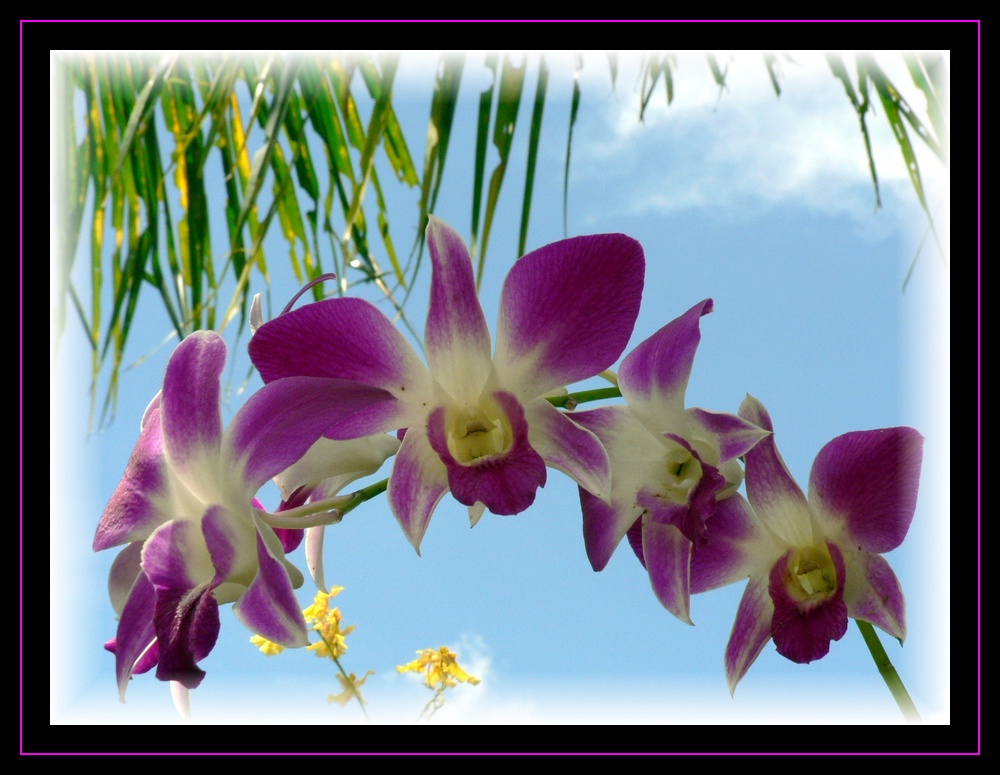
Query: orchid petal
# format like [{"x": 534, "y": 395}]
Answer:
[
  {"x": 736, "y": 548},
  {"x": 602, "y": 528},
  {"x": 314, "y": 555},
  {"x": 335, "y": 464},
  {"x": 867, "y": 481},
  {"x": 135, "y": 631},
  {"x": 418, "y": 482},
  {"x": 191, "y": 411},
  {"x": 132, "y": 513},
  {"x": 506, "y": 482},
  {"x": 269, "y": 606},
  {"x": 568, "y": 447},
  {"x": 873, "y": 593},
  {"x": 733, "y": 435},
  {"x": 667, "y": 553},
  {"x": 802, "y": 632},
  {"x": 637, "y": 456},
  {"x": 343, "y": 338},
  {"x": 476, "y": 513},
  {"x": 653, "y": 377},
  {"x": 567, "y": 312},
  {"x": 751, "y": 631},
  {"x": 282, "y": 420},
  {"x": 457, "y": 338},
  {"x": 689, "y": 517},
  {"x": 177, "y": 561},
  {"x": 124, "y": 571},
  {"x": 187, "y": 627},
  {"x": 771, "y": 490}
]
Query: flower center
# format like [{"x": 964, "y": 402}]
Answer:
[
  {"x": 477, "y": 432},
  {"x": 811, "y": 574},
  {"x": 683, "y": 472}
]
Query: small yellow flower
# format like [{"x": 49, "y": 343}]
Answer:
[
  {"x": 351, "y": 689},
  {"x": 268, "y": 647},
  {"x": 329, "y": 624},
  {"x": 440, "y": 667},
  {"x": 321, "y": 604}
]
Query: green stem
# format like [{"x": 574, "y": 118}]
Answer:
[
  {"x": 347, "y": 676},
  {"x": 572, "y": 400},
  {"x": 888, "y": 672},
  {"x": 365, "y": 494}
]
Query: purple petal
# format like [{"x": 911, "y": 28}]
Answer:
[
  {"x": 668, "y": 559},
  {"x": 653, "y": 377},
  {"x": 733, "y": 435},
  {"x": 634, "y": 536},
  {"x": 176, "y": 556},
  {"x": 458, "y": 341},
  {"x": 269, "y": 606},
  {"x": 132, "y": 514},
  {"x": 177, "y": 561},
  {"x": 601, "y": 531},
  {"x": 507, "y": 482},
  {"x": 872, "y": 593},
  {"x": 567, "y": 447},
  {"x": 751, "y": 631},
  {"x": 191, "y": 412},
  {"x": 771, "y": 490},
  {"x": 418, "y": 482},
  {"x": 732, "y": 547},
  {"x": 187, "y": 626},
  {"x": 691, "y": 517},
  {"x": 282, "y": 420},
  {"x": 343, "y": 339},
  {"x": 636, "y": 455},
  {"x": 868, "y": 480},
  {"x": 135, "y": 631},
  {"x": 802, "y": 631},
  {"x": 567, "y": 311}
]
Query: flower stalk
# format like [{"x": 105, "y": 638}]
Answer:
[{"x": 888, "y": 672}]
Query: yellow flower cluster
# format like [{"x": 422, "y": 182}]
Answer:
[
  {"x": 441, "y": 668},
  {"x": 325, "y": 620},
  {"x": 350, "y": 686}
]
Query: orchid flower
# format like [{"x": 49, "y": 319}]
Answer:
[
  {"x": 671, "y": 466},
  {"x": 812, "y": 563},
  {"x": 184, "y": 507},
  {"x": 475, "y": 424}
]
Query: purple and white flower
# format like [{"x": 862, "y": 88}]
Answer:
[
  {"x": 185, "y": 510},
  {"x": 671, "y": 466},
  {"x": 812, "y": 563},
  {"x": 477, "y": 423}
]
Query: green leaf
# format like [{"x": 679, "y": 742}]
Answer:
[
  {"x": 573, "y": 108},
  {"x": 533, "y": 137},
  {"x": 508, "y": 103}
]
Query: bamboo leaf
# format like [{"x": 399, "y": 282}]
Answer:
[
  {"x": 533, "y": 137},
  {"x": 442, "y": 114},
  {"x": 482, "y": 136},
  {"x": 573, "y": 108},
  {"x": 508, "y": 102},
  {"x": 860, "y": 108},
  {"x": 144, "y": 107},
  {"x": 919, "y": 73},
  {"x": 771, "y": 63}
]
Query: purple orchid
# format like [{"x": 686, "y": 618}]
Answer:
[
  {"x": 184, "y": 507},
  {"x": 477, "y": 425},
  {"x": 812, "y": 563},
  {"x": 671, "y": 465}
]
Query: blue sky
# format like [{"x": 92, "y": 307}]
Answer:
[{"x": 764, "y": 204}]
